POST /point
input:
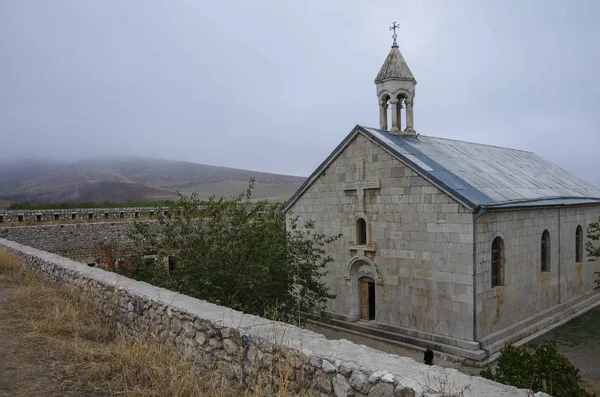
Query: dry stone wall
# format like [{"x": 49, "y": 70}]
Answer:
[{"x": 243, "y": 345}]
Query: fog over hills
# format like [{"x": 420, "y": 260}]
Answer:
[{"x": 132, "y": 179}]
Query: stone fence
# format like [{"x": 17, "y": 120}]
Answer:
[
  {"x": 78, "y": 241},
  {"x": 57, "y": 215},
  {"x": 243, "y": 345},
  {"x": 84, "y": 214}
]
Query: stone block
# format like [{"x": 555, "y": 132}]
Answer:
[
  {"x": 359, "y": 381},
  {"x": 341, "y": 386},
  {"x": 382, "y": 389}
]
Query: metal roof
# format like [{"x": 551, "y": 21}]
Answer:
[{"x": 476, "y": 174}]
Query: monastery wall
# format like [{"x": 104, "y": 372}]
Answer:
[
  {"x": 421, "y": 251},
  {"x": 78, "y": 241},
  {"x": 237, "y": 343},
  {"x": 527, "y": 293},
  {"x": 53, "y": 215}
]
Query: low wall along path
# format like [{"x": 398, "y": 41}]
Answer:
[{"x": 235, "y": 342}]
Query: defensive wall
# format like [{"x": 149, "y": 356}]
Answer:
[
  {"x": 77, "y": 241},
  {"x": 83, "y": 214},
  {"x": 91, "y": 214},
  {"x": 237, "y": 343}
]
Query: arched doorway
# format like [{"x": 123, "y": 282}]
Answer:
[
  {"x": 366, "y": 298},
  {"x": 362, "y": 277}
]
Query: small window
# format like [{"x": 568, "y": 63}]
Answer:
[
  {"x": 497, "y": 257},
  {"x": 579, "y": 244},
  {"x": 171, "y": 264},
  {"x": 1, "y": 218},
  {"x": 151, "y": 213},
  {"x": 121, "y": 215},
  {"x": 56, "y": 217},
  {"x": 361, "y": 231},
  {"x": 20, "y": 218},
  {"x": 73, "y": 216},
  {"x": 136, "y": 215},
  {"x": 91, "y": 215},
  {"x": 106, "y": 215},
  {"x": 38, "y": 217},
  {"x": 166, "y": 213},
  {"x": 545, "y": 251}
]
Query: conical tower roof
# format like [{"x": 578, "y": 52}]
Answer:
[{"x": 394, "y": 67}]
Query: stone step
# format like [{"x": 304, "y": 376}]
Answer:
[
  {"x": 357, "y": 328},
  {"x": 544, "y": 325}
]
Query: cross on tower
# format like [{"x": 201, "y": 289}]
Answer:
[
  {"x": 394, "y": 27},
  {"x": 361, "y": 185}
]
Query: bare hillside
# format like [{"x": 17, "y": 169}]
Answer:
[{"x": 136, "y": 179}]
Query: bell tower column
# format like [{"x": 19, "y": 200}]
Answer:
[
  {"x": 395, "y": 113},
  {"x": 399, "y": 109},
  {"x": 409, "y": 115},
  {"x": 383, "y": 122}
]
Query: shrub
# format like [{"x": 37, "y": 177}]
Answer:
[
  {"x": 540, "y": 368},
  {"x": 237, "y": 255}
]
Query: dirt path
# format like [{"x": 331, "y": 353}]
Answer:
[
  {"x": 391, "y": 348},
  {"x": 24, "y": 368}
]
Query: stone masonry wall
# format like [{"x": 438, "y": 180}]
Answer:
[
  {"x": 46, "y": 215},
  {"x": 78, "y": 241},
  {"x": 422, "y": 238},
  {"x": 527, "y": 290},
  {"x": 238, "y": 344}
]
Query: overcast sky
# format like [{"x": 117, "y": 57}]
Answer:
[{"x": 275, "y": 86}]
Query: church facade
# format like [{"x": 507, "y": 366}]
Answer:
[{"x": 457, "y": 245}]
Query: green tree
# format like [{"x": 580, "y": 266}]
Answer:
[
  {"x": 592, "y": 247},
  {"x": 541, "y": 368},
  {"x": 237, "y": 254}
]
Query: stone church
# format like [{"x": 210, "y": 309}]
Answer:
[{"x": 457, "y": 245}]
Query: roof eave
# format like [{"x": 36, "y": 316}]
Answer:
[
  {"x": 378, "y": 80},
  {"x": 545, "y": 202}
]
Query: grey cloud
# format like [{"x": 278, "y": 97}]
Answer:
[{"x": 274, "y": 86}]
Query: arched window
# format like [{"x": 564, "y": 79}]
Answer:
[
  {"x": 361, "y": 231},
  {"x": 579, "y": 244},
  {"x": 545, "y": 251},
  {"x": 497, "y": 255}
]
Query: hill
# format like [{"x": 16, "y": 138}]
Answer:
[{"x": 134, "y": 179}]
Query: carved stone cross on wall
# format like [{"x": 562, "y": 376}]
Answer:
[{"x": 360, "y": 185}]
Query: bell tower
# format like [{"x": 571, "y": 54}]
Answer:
[{"x": 395, "y": 85}]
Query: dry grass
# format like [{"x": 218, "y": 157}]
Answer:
[{"x": 88, "y": 357}]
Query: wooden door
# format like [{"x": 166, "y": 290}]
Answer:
[{"x": 363, "y": 297}]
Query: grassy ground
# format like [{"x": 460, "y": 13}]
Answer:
[
  {"x": 579, "y": 340},
  {"x": 54, "y": 343}
]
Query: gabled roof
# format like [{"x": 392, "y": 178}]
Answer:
[
  {"x": 476, "y": 175},
  {"x": 394, "y": 67}
]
